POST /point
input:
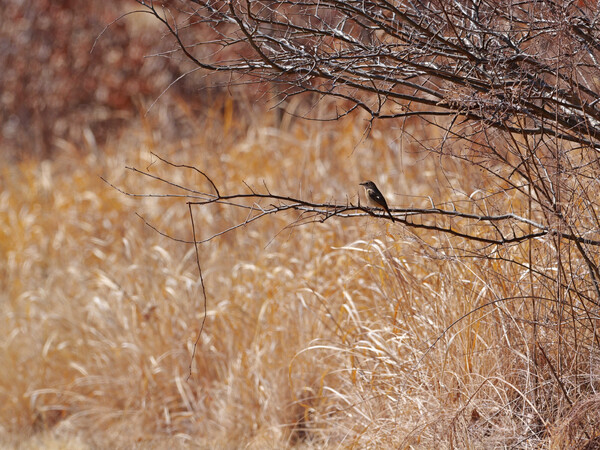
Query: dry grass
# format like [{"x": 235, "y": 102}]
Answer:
[{"x": 314, "y": 334}]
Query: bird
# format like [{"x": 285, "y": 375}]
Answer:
[{"x": 375, "y": 197}]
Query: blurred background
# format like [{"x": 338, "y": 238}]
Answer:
[{"x": 73, "y": 73}]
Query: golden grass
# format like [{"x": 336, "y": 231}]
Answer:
[{"x": 313, "y": 334}]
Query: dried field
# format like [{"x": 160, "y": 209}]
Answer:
[
  {"x": 314, "y": 335},
  {"x": 351, "y": 333}
]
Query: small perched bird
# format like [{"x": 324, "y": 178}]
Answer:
[{"x": 375, "y": 197}]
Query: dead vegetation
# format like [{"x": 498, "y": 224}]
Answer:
[{"x": 353, "y": 331}]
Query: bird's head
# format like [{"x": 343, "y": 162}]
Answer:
[{"x": 368, "y": 184}]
